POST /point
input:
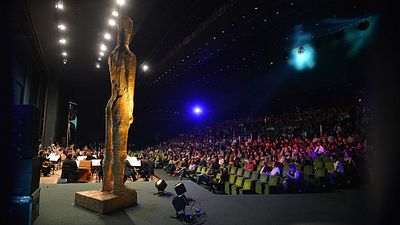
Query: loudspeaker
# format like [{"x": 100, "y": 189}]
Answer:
[
  {"x": 25, "y": 131},
  {"x": 25, "y": 176},
  {"x": 24, "y": 209}
]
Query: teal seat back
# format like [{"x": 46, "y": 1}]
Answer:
[
  {"x": 233, "y": 170},
  {"x": 255, "y": 175},
  {"x": 232, "y": 179},
  {"x": 263, "y": 178},
  {"x": 318, "y": 164},
  {"x": 308, "y": 170},
  {"x": 239, "y": 172},
  {"x": 273, "y": 180},
  {"x": 239, "y": 182},
  {"x": 247, "y": 173},
  {"x": 247, "y": 184},
  {"x": 198, "y": 170},
  {"x": 320, "y": 172}
]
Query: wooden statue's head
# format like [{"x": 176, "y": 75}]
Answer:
[{"x": 125, "y": 30}]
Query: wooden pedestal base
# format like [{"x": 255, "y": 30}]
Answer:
[{"x": 105, "y": 202}]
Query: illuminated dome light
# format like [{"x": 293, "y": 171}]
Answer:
[
  {"x": 64, "y": 53},
  {"x": 99, "y": 58},
  {"x": 103, "y": 47},
  {"x": 197, "y": 110},
  {"x": 65, "y": 61},
  {"x": 114, "y": 13},
  {"x": 107, "y": 36},
  {"x": 120, "y": 2},
  {"x": 61, "y": 27},
  {"x": 304, "y": 60},
  {"x": 62, "y": 41},
  {"x": 59, "y": 6},
  {"x": 145, "y": 67},
  {"x": 97, "y": 65},
  {"x": 111, "y": 22},
  {"x": 101, "y": 53}
]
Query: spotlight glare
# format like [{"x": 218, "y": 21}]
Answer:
[
  {"x": 62, "y": 41},
  {"x": 99, "y": 58},
  {"x": 197, "y": 110},
  {"x": 101, "y": 53},
  {"x": 114, "y": 13},
  {"x": 120, "y": 2},
  {"x": 145, "y": 67},
  {"x": 65, "y": 61},
  {"x": 61, "y": 27},
  {"x": 103, "y": 47},
  {"x": 107, "y": 36},
  {"x": 111, "y": 22},
  {"x": 97, "y": 65},
  {"x": 64, "y": 53},
  {"x": 59, "y": 6}
]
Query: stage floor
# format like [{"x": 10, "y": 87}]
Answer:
[{"x": 339, "y": 207}]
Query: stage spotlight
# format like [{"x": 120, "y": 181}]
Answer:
[
  {"x": 339, "y": 35},
  {"x": 145, "y": 67},
  {"x": 103, "y": 47},
  {"x": 363, "y": 25},
  {"x": 101, "y": 53},
  {"x": 120, "y": 2},
  {"x": 61, "y": 27},
  {"x": 197, "y": 110},
  {"x": 179, "y": 203},
  {"x": 62, "y": 41},
  {"x": 160, "y": 185},
  {"x": 111, "y": 22},
  {"x": 98, "y": 65},
  {"x": 107, "y": 36},
  {"x": 114, "y": 13},
  {"x": 180, "y": 189}
]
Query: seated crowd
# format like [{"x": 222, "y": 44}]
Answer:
[{"x": 298, "y": 151}]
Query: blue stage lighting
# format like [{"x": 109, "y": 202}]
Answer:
[
  {"x": 302, "y": 57},
  {"x": 197, "y": 110}
]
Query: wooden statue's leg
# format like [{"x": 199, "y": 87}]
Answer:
[
  {"x": 120, "y": 145},
  {"x": 107, "y": 165}
]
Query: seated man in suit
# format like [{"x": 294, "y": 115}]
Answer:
[
  {"x": 69, "y": 169},
  {"x": 129, "y": 171}
]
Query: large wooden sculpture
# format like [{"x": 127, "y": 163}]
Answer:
[
  {"x": 119, "y": 116},
  {"x": 119, "y": 110}
]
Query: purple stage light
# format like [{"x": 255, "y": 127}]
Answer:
[{"x": 197, "y": 110}]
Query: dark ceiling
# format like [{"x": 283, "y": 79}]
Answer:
[{"x": 227, "y": 54}]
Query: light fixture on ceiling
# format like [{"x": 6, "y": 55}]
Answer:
[
  {"x": 111, "y": 22},
  {"x": 97, "y": 65},
  {"x": 101, "y": 53},
  {"x": 65, "y": 61},
  {"x": 61, "y": 27},
  {"x": 114, "y": 13},
  {"x": 103, "y": 47},
  {"x": 120, "y": 2},
  {"x": 145, "y": 67},
  {"x": 59, "y": 5},
  {"x": 62, "y": 41},
  {"x": 107, "y": 36},
  {"x": 64, "y": 53}
]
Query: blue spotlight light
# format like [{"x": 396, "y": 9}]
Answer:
[
  {"x": 197, "y": 110},
  {"x": 302, "y": 57}
]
